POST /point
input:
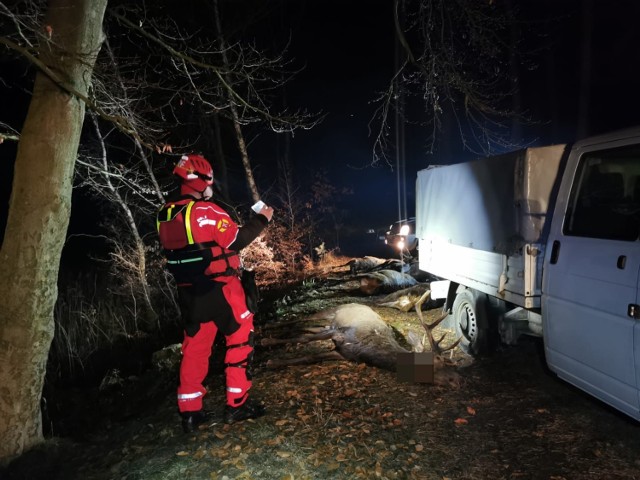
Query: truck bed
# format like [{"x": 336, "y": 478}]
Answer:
[{"x": 484, "y": 223}]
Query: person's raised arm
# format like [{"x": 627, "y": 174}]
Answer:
[{"x": 248, "y": 233}]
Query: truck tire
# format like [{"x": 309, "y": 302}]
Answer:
[{"x": 471, "y": 321}]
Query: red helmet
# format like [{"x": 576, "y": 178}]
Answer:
[{"x": 195, "y": 171}]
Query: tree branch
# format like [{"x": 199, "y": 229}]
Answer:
[
  {"x": 222, "y": 74},
  {"x": 120, "y": 122}
]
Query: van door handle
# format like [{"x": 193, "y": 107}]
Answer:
[
  {"x": 555, "y": 252},
  {"x": 633, "y": 311}
]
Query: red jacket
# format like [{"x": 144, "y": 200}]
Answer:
[{"x": 201, "y": 240}]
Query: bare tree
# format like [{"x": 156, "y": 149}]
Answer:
[
  {"x": 234, "y": 80},
  {"x": 456, "y": 62},
  {"x": 167, "y": 78},
  {"x": 102, "y": 176},
  {"x": 8, "y": 133},
  {"x": 118, "y": 168},
  {"x": 586, "y": 53},
  {"x": 65, "y": 51},
  {"x": 235, "y": 116},
  {"x": 190, "y": 76}
]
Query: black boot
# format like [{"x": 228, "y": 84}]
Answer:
[
  {"x": 247, "y": 410},
  {"x": 191, "y": 420}
]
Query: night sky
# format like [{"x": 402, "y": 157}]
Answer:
[
  {"x": 350, "y": 57},
  {"x": 347, "y": 49}
]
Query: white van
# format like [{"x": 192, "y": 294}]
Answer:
[{"x": 544, "y": 241}]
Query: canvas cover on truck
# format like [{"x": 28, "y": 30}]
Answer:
[{"x": 495, "y": 204}]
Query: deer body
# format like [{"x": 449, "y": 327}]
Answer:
[
  {"x": 361, "y": 335},
  {"x": 385, "y": 281},
  {"x": 358, "y": 333}
]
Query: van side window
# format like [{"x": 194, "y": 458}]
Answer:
[{"x": 605, "y": 196}]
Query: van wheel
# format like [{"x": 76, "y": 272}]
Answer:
[{"x": 471, "y": 322}]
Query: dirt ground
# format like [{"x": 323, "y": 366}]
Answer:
[{"x": 507, "y": 417}]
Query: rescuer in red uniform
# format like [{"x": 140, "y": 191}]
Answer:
[{"x": 200, "y": 243}]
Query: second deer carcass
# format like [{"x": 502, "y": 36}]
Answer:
[
  {"x": 369, "y": 264},
  {"x": 385, "y": 281}
]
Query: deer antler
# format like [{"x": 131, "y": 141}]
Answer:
[{"x": 435, "y": 344}]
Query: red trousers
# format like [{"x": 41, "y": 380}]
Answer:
[{"x": 197, "y": 349}]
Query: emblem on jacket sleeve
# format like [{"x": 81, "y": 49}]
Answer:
[{"x": 223, "y": 224}]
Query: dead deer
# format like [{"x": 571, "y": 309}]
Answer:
[
  {"x": 358, "y": 333},
  {"x": 364, "y": 264},
  {"x": 361, "y": 335},
  {"x": 385, "y": 281},
  {"x": 428, "y": 328},
  {"x": 371, "y": 264}
]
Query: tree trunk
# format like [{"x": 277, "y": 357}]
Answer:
[
  {"x": 38, "y": 218},
  {"x": 214, "y": 144},
  {"x": 242, "y": 145},
  {"x": 139, "y": 258},
  {"x": 514, "y": 77},
  {"x": 584, "y": 95},
  {"x": 246, "y": 163}
]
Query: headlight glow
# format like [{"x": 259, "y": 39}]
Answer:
[{"x": 404, "y": 230}]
